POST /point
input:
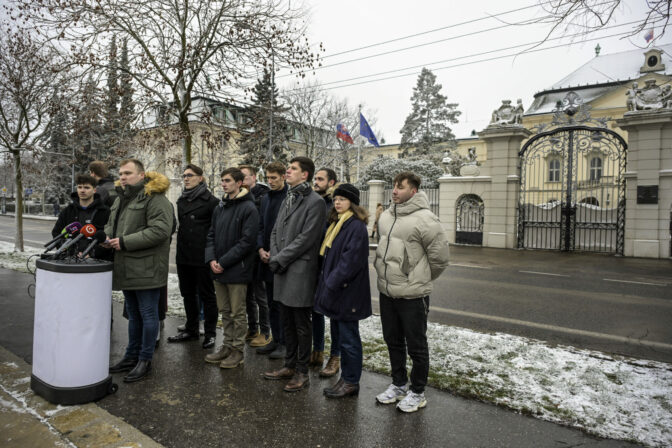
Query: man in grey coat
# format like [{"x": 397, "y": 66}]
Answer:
[{"x": 295, "y": 243}]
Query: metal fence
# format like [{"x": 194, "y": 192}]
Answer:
[{"x": 364, "y": 197}]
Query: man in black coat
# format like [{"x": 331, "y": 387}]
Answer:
[
  {"x": 258, "y": 324},
  {"x": 194, "y": 214},
  {"x": 270, "y": 207},
  {"x": 230, "y": 252},
  {"x": 105, "y": 186},
  {"x": 86, "y": 208}
]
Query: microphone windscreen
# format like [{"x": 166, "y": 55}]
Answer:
[
  {"x": 100, "y": 236},
  {"x": 88, "y": 230},
  {"x": 73, "y": 227}
]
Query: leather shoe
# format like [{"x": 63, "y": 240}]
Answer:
[
  {"x": 267, "y": 349},
  {"x": 281, "y": 374},
  {"x": 140, "y": 371},
  {"x": 334, "y": 386},
  {"x": 342, "y": 390},
  {"x": 183, "y": 337},
  {"x": 299, "y": 381},
  {"x": 209, "y": 342},
  {"x": 124, "y": 365}
]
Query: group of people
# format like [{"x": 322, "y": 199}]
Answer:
[{"x": 273, "y": 260}]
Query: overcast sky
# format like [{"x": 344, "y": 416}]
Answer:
[{"x": 478, "y": 88}]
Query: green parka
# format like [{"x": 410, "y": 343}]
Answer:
[{"x": 142, "y": 217}]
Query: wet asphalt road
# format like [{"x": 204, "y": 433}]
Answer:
[{"x": 188, "y": 403}]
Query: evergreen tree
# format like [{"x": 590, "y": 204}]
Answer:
[
  {"x": 88, "y": 126},
  {"x": 126, "y": 106},
  {"x": 112, "y": 99},
  {"x": 57, "y": 159},
  {"x": 255, "y": 128},
  {"x": 426, "y": 129}
]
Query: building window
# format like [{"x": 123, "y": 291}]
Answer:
[
  {"x": 554, "y": 170},
  {"x": 595, "y": 169}
]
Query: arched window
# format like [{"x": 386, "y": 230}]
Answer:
[
  {"x": 595, "y": 169},
  {"x": 554, "y": 170}
]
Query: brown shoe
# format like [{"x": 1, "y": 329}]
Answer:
[
  {"x": 251, "y": 335},
  {"x": 261, "y": 340},
  {"x": 299, "y": 381},
  {"x": 316, "y": 359},
  {"x": 232, "y": 361},
  {"x": 342, "y": 390},
  {"x": 281, "y": 374},
  {"x": 220, "y": 355},
  {"x": 332, "y": 367}
]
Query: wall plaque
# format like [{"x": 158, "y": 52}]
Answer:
[{"x": 647, "y": 194}]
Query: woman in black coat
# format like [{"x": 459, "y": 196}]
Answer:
[{"x": 343, "y": 291}]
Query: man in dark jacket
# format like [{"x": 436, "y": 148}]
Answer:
[
  {"x": 105, "y": 186},
  {"x": 295, "y": 242},
  {"x": 194, "y": 213},
  {"x": 141, "y": 222},
  {"x": 270, "y": 207},
  {"x": 230, "y": 251},
  {"x": 259, "y": 328},
  {"x": 86, "y": 208}
]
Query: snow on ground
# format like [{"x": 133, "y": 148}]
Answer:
[{"x": 609, "y": 396}]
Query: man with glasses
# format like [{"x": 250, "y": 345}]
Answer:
[{"x": 194, "y": 214}]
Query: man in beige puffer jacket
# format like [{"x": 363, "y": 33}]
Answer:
[{"x": 412, "y": 252}]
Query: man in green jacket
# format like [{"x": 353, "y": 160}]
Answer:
[{"x": 139, "y": 229}]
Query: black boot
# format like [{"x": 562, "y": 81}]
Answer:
[
  {"x": 140, "y": 371},
  {"x": 124, "y": 365}
]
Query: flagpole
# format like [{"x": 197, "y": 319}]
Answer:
[{"x": 359, "y": 145}]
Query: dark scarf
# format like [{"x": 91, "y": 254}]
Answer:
[
  {"x": 195, "y": 192},
  {"x": 295, "y": 192}
]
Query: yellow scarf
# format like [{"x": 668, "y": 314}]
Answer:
[{"x": 333, "y": 230}]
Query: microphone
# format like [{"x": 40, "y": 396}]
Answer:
[
  {"x": 67, "y": 232},
  {"x": 98, "y": 238},
  {"x": 87, "y": 231}
]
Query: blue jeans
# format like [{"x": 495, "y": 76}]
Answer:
[
  {"x": 334, "y": 331},
  {"x": 318, "y": 332},
  {"x": 350, "y": 345},
  {"x": 142, "y": 307}
]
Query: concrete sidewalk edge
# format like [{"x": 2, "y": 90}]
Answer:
[{"x": 29, "y": 420}]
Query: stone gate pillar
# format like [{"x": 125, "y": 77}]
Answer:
[
  {"x": 503, "y": 144},
  {"x": 376, "y": 195},
  {"x": 648, "y": 192}
]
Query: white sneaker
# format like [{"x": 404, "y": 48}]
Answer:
[
  {"x": 412, "y": 402},
  {"x": 201, "y": 327},
  {"x": 392, "y": 394}
]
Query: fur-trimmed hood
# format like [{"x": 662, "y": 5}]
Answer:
[{"x": 155, "y": 182}]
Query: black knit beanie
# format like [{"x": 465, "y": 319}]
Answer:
[{"x": 347, "y": 191}]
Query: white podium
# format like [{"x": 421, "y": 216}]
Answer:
[{"x": 71, "y": 336}]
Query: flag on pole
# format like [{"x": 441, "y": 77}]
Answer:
[
  {"x": 365, "y": 131},
  {"x": 343, "y": 134},
  {"x": 649, "y": 36}
]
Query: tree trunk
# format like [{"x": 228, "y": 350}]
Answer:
[
  {"x": 186, "y": 139},
  {"x": 18, "y": 207}
]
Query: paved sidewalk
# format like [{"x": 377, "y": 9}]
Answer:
[
  {"x": 28, "y": 420},
  {"x": 188, "y": 403}
]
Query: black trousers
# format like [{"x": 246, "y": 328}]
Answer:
[
  {"x": 196, "y": 283},
  {"x": 405, "y": 326},
  {"x": 298, "y": 336},
  {"x": 274, "y": 315}
]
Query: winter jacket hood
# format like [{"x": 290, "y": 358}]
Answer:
[
  {"x": 154, "y": 183},
  {"x": 412, "y": 251}
]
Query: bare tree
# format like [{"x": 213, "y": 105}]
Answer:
[
  {"x": 589, "y": 16},
  {"x": 29, "y": 77},
  {"x": 178, "y": 49}
]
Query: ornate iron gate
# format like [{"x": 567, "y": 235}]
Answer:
[
  {"x": 572, "y": 194},
  {"x": 469, "y": 220}
]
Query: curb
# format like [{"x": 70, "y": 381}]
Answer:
[
  {"x": 34, "y": 217},
  {"x": 29, "y": 420}
]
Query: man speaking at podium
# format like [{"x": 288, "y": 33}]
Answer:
[{"x": 139, "y": 230}]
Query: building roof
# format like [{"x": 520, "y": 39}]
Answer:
[{"x": 598, "y": 77}]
